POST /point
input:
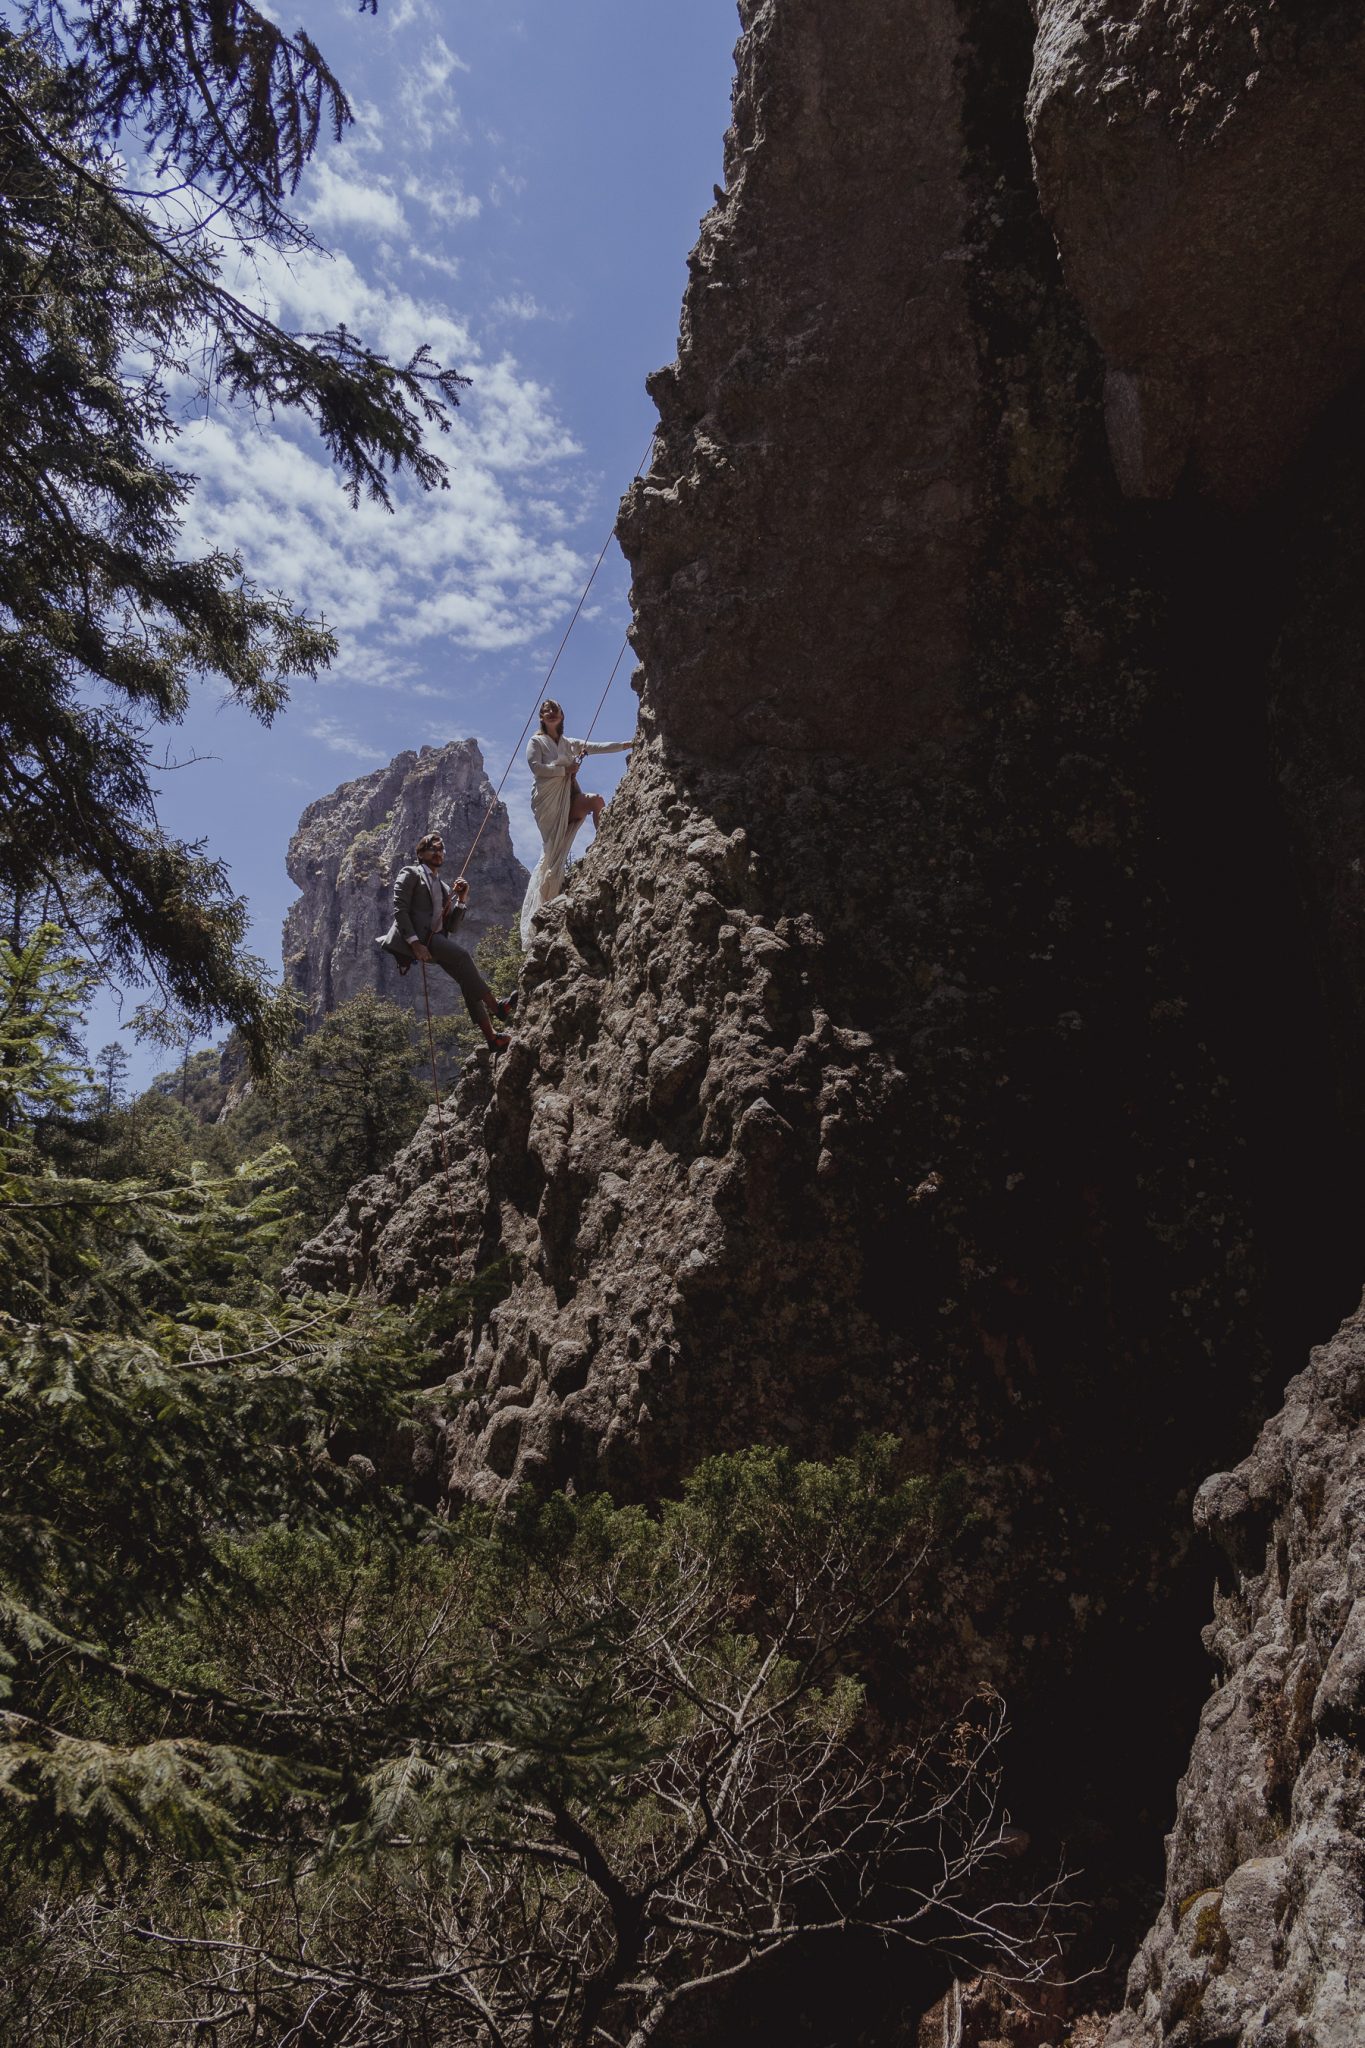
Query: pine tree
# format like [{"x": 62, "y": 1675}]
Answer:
[
  {"x": 547, "y": 1783},
  {"x": 348, "y": 1097},
  {"x": 43, "y": 990},
  {"x": 499, "y": 954},
  {"x": 105, "y": 623},
  {"x": 111, "y": 1074},
  {"x": 155, "y": 1400}
]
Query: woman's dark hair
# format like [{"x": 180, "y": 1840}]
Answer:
[{"x": 547, "y": 709}]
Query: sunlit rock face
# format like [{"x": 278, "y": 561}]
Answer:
[
  {"x": 948, "y": 1032},
  {"x": 347, "y": 850}
]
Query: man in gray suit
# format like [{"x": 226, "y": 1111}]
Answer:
[{"x": 425, "y": 913}]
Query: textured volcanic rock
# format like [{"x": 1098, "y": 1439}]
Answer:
[
  {"x": 910, "y": 1049},
  {"x": 1263, "y": 1936},
  {"x": 351, "y": 844},
  {"x": 1204, "y": 168}
]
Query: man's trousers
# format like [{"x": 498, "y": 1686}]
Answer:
[{"x": 461, "y": 967}]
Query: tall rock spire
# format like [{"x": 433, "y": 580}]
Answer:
[{"x": 351, "y": 844}]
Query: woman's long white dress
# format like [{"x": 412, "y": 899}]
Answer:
[{"x": 552, "y": 763}]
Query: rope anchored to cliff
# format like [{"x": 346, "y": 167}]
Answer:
[
  {"x": 440, "y": 1113},
  {"x": 549, "y": 674},
  {"x": 403, "y": 943}
]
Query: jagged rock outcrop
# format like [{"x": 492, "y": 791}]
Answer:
[
  {"x": 1262, "y": 1940},
  {"x": 351, "y": 844},
  {"x": 910, "y": 1049}
]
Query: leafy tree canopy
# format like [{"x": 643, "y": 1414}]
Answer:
[{"x": 113, "y": 309}]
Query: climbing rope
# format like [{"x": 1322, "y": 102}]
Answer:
[
  {"x": 610, "y": 680},
  {"x": 440, "y": 1113},
  {"x": 544, "y": 688},
  {"x": 549, "y": 673}
]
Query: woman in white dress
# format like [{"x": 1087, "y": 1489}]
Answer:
[{"x": 557, "y": 802}]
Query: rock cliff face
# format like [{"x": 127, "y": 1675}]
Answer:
[
  {"x": 950, "y": 1029},
  {"x": 1203, "y": 166},
  {"x": 351, "y": 844},
  {"x": 1263, "y": 1934}
]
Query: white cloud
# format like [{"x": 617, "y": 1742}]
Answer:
[
  {"x": 552, "y": 516},
  {"x": 448, "y": 266},
  {"x": 358, "y": 205},
  {"x": 406, "y": 12},
  {"x": 339, "y": 741},
  {"x": 485, "y": 566},
  {"x": 520, "y": 306},
  {"x": 505, "y": 183},
  {"x": 449, "y": 607},
  {"x": 377, "y": 667},
  {"x": 445, "y": 200},
  {"x": 365, "y": 136},
  {"x": 426, "y": 96}
]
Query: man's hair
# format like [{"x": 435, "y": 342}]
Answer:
[
  {"x": 427, "y": 841},
  {"x": 548, "y": 709}
]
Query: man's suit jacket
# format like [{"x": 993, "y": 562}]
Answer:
[{"x": 412, "y": 906}]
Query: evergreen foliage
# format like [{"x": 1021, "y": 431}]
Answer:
[
  {"x": 111, "y": 1075},
  {"x": 548, "y": 1782},
  {"x": 100, "y": 1253},
  {"x": 42, "y": 995},
  {"x": 284, "y": 1755},
  {"x": 344, "y": 1099},
  {"x": 111, "y": 309},
  {"x": 348, "y": 1097},
  {"x": 499, "y": 953},
  {"x": 155, "y": 1403}
]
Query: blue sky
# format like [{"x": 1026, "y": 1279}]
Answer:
[{"x": 521, "y": 189}]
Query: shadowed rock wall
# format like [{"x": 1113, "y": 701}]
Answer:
[
  {"x": 938, "y": 1036},
  {"x": 1203, "y": 166}
]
